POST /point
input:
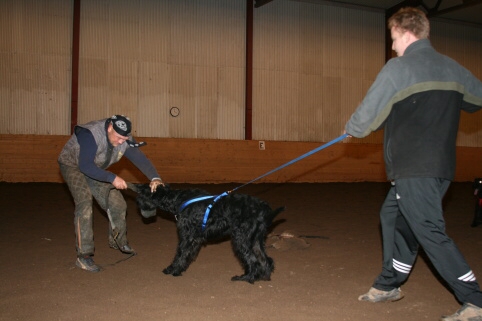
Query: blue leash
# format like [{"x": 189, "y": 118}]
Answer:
[
  {"x": 334, "y": 141},
  {"x": 216, "y": 198}
]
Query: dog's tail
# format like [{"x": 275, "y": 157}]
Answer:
[{"x": 272, "y": 215}]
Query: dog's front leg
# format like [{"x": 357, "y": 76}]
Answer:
[{"x": 186, "y": 252}]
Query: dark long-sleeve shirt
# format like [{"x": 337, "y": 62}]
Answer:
[{"x": 88, "y": 149}]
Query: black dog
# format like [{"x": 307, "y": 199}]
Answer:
[
  {"x": 242, "y": 217},
  {"x": 478, "y": 202}
]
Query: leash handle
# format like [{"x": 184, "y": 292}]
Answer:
[{"x": 334, "y": 141}]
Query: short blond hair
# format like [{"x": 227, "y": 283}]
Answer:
[{"x": 411, "y": 19}]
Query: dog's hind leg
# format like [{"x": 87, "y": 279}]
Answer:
[
  {"x": 245, "y": 247},
  {"x": 265, "y": 262},
  {"x": 186, "y": 252}
]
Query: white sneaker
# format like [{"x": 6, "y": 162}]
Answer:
[
  {"x": 468, "y": 312},
  {"x": 375, "y": 295}
]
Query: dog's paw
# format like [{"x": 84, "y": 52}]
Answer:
[
  {"x": 172, "y": 271},
  {"x": 243, "y": 277},
  {"x": 168, "y": 270}
]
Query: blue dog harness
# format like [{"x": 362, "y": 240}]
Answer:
[
  {"x": 208, "y": 209},
  {"x": 216, "y": 198}
]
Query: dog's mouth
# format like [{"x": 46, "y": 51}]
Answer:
[
  {"x": 148, "y": 213},
  {"x": 146, "y": 208}
]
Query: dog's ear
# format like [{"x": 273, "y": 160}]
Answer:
[{"x": 163, "y": 188}]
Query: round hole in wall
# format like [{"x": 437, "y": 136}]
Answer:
[{"x": 174, "y": 111}]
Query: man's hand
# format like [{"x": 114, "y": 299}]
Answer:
[
  {"x": 119, "y": 183},
  {"x": 154, "y": 183}
]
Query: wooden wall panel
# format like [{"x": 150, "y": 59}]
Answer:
[
  {"x": 30, "y": 158},
  {"x": 33, "y": 158}
]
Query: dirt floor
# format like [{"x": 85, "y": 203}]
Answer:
[{"x": 317, "y": 277}]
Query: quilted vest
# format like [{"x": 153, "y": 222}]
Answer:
[{"x": 106, "y": 154}]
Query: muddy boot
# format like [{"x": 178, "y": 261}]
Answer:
[{"x": 87, "y": 263}]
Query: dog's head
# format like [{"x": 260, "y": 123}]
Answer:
[{"x": 146, "y": 200}]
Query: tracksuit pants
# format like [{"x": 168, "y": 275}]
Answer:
[
  {"x": 412, "y": 216},
  {"x": 110, "y": 199}
]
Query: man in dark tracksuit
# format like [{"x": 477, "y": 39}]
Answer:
[
  {"x": 83, "y": 162},
  {"x": 417, "y": 98}
]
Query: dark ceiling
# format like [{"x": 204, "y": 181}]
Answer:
[{"x": 465, "y": 11}]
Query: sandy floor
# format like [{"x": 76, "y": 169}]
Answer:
[{"x": 39, "y": 280}]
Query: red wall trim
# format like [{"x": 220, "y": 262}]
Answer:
[
  {"x": 75, "y": 66},
  {"x": 248, "y": 128}
]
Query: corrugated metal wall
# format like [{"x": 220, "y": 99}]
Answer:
[
  {"x": 155, "y": 55},
  {"x": 35, "y": 48},
  {"x": 312, "y": 66}
]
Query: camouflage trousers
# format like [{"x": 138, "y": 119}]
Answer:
[{"x": 110, "y": 200}]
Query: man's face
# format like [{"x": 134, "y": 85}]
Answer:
[
  {"x": 399, "y": 41},
  {"x": 114, "y": 138}
]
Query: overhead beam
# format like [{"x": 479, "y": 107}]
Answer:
[
  {"x": 434, "y": 12},
  {"x": 259, "y": 3},
  {"x": 431, "y": 12}
]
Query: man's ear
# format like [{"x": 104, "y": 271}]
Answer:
[{"x": 409, "y": 37}]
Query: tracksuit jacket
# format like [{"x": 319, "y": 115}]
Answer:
[{"x": 417, "y": 99}]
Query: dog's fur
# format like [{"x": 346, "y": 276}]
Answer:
[
  {"x": 242, "y": 217},
  {"x": 478, "y": 202}
]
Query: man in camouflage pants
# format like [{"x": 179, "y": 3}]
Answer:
[{"x": 83, "y": 162}]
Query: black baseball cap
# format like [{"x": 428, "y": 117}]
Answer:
[{"x": 121, "y": 124}]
